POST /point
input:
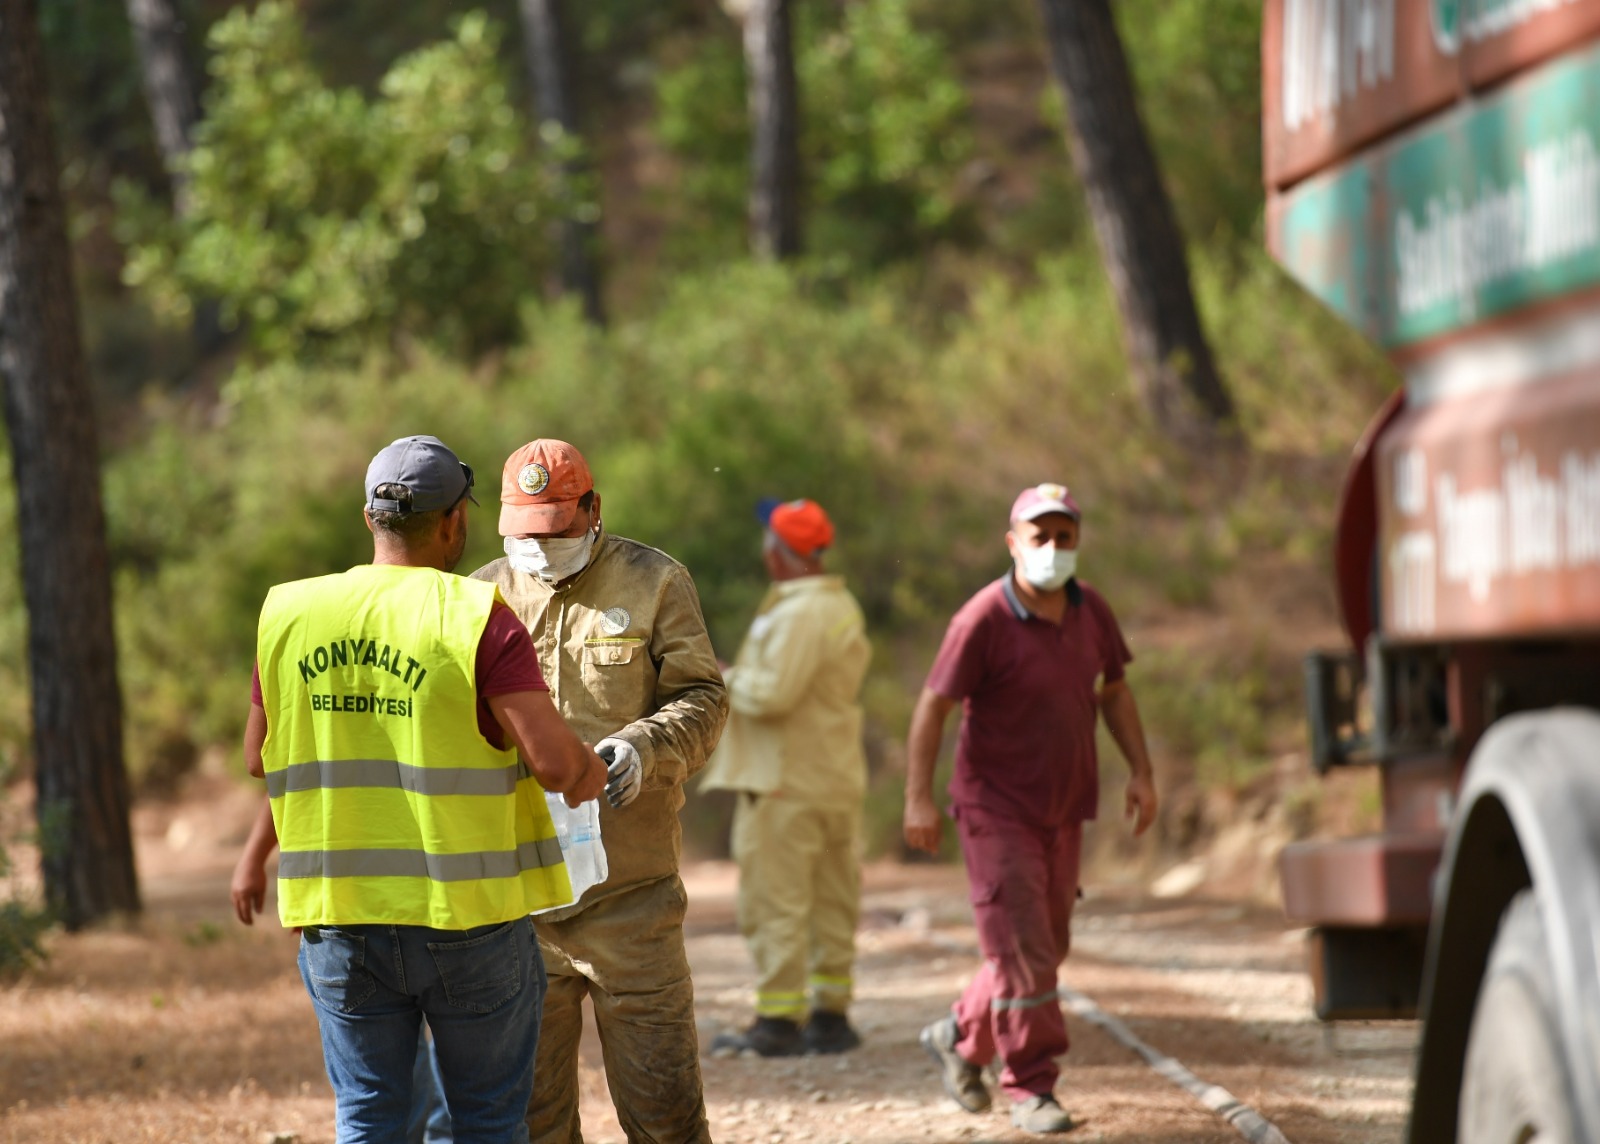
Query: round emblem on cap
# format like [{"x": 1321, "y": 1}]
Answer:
[
  {"x": 615, "y": 621},
  {"x": 1052, "y": 492},
  {"x": 533, "y": 479}
]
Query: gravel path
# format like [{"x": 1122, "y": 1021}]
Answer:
[
  {"x": 191, "y": 1028},
  {"x": 1219, "y": 986}
]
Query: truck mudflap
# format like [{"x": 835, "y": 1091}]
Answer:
[{"x": 1529, "y": 815}]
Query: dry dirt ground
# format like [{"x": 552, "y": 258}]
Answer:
[{"x": 189, "y": 1027}]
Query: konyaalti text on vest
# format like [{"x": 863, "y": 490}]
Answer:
[{"x": 352, "y": 652}]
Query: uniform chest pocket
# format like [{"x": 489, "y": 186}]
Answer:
[
  {"x": 616, "y": 671},
  {"x": 608, "y": 654}
]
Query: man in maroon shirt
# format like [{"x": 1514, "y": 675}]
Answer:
[{"x": 1022, "y": 658}]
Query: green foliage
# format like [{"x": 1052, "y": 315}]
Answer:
[
  {"x": 739, "y": 387},
  {"x": 203, "y": 934},
  {"x": 701, "y": 120},
  {"x": 611, "y": 27},
  {"x": 889, "y": 134},
  {"x": 101, "y": 118},
  {"x": 356, "y": 42},
  {"x": 1210, "y": 707},
  {"x": 1281, "y": 353},
  {"x": 745, "y": 382},
  {"x": 348, "y": 205},
  {"x": 204, "y": 517},
  {"x": 325, "y": 221},
  {"x": 883, "y": 123},
  {"x": 1197, "y": 65},
  {"x": 22, "y": 924},
  {"x": 971, "y": 21},
  {"x": 21, "y": 932},
  {"x": 745, "y": 387}
]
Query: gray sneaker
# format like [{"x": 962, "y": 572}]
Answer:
[
  {"x": 962, "y": 1079},
  {"x": 1040, "y": 1115}
]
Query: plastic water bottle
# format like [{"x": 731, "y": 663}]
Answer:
[{"x": 578, "y": 832}]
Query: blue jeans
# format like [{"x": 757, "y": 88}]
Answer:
[
  {"x": 481, "y": 991},
  {"x": 428, "y": 1122}
]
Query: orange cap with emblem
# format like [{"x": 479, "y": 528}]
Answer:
[{"x": 540, "y": 486}]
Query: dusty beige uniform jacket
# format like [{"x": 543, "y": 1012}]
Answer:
[
  {"x": 795, "y": 686},
  {"x": 624, "y": 649}
]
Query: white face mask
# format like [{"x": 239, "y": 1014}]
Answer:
[
  {"x": 1046, "y": 567},
  {"x": 552, "y": 559}
]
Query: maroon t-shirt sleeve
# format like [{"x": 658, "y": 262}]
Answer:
[
  {"x": 958, "y": 668},
  {"x": 1114, "y": 653},
  {"x": 507, "y": 663}
]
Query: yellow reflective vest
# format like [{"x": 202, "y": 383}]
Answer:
[{"x": 390, "y": 806}]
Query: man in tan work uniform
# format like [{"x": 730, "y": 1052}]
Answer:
[
  {"x": 793, "y": 752},
  {"x": 623, "y": 646}
]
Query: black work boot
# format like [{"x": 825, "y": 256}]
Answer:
[
  {"x": 829, "y": 1033},
  {"x": 766, "y": 1037}
]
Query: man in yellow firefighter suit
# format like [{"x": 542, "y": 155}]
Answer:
[
  {"x": 793, "y": 753},
  {"x": 391, "y": 704},
  {"x": 623, "y": 645}
]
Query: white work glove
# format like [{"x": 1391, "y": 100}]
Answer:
[{"x": 624, "y": 771}]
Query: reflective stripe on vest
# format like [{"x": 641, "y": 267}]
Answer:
[
  {"x": 419, "y": 863},
  {"x": 390, "y": 806},
  {"x": 333, "y": 773}
]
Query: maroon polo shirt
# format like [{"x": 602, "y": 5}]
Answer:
[{"x": 1028, "y": 702}]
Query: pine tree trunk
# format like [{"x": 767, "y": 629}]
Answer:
[
  {"x": 1135, "y": 225},
  {"x": 66, "y": 580},
  {"x": 158, "y": 34},
  {"x": 174, "y": 109},
  {"x": 775, "y": 130},
  {"x": 544, "y": 39}
]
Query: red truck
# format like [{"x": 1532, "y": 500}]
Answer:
[{"x": 1433, "y": 175}]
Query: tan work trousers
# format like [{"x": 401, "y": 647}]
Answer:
[
  {"x": 799, "y": 901},
  {"x": 625, "y": 953}
]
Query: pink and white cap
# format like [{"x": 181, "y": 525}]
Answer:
[{"x": 1039, "y": 500}]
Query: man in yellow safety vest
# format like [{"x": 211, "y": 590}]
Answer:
[{"x": 392, "y": 703}]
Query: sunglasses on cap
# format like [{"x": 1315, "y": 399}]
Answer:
[{"x": 466, "y": 471}]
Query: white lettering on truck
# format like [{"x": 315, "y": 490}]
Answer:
[{"x": 1531, "y": 520}]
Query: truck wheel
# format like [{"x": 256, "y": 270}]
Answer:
[{"x": 1514, "y": 1087}]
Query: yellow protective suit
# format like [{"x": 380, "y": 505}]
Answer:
[{"x": 793, "y": 752}]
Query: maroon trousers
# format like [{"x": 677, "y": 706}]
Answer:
[{"x": 1024, "y": 881}]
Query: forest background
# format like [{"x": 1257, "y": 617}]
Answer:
[{"x": 370, "y": 225}]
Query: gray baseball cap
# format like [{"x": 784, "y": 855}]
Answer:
[{"x": 425, "y": 465}]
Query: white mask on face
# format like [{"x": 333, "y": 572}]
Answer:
[
  {"x": 1046, "y": 567},
  {"x": 552, "y": 559}
]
